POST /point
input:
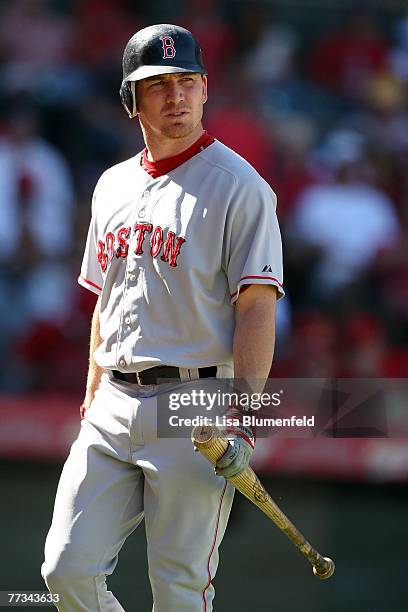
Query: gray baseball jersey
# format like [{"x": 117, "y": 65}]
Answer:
[{"x": 170, "y": 255}]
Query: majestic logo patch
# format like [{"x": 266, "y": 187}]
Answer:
[
  {"x": 267, "y": 269},
  {"x": 169, "y": 50}
]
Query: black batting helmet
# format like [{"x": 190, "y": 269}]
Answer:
[{"x": 157, "y": 49}]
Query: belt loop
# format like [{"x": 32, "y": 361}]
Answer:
[
  {"x": 184, "y": 374},
  {"x": 194, "y": 375},
  {"x": 224, "y": 371}
]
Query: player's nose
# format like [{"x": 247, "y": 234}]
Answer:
[{"x": 174, "y": 91}]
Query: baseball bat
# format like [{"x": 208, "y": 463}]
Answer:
[{"x": 212, "y": 445}]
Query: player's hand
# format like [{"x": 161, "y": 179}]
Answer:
[
  {"x": 82, "y": 411},
  {"x": 238, "y": 454},
  {"x": 86, "y": 404}
]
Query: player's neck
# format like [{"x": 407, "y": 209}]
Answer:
[{"x": 169, "y": 147}]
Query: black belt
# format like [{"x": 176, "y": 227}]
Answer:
[{"x": 153, "y": 376}]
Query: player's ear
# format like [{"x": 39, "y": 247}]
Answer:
[{"x": 205, "y": 88}]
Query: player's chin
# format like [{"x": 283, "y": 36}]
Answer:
[{"x": 178, "y": 129}]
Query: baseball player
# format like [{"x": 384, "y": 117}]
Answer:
[{"x": 184, "y": 253}]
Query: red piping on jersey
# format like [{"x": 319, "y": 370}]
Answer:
[
  {"x": 164, "y": 166},
  {"x": 91, "y": 283},
  {"x": 213, "y": 546},
  {"x": 272, "y": 278}
]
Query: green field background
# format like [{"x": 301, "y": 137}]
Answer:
[{"x": 363, "y": 527}]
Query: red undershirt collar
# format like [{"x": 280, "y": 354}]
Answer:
[{"x": 164, "y": 166}]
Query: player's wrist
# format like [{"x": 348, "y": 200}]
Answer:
[
  {"x": 241, "y": 431},
  {"x": 236, "y": 428}
]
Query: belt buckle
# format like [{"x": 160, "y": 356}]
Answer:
[{"x": 138, "y": 379}]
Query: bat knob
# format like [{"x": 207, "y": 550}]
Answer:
[
  {"x": 324, "y": 570},
  {"x": 202, "y": 434}
]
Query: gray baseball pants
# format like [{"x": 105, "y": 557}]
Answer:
[{"x": 117, "y": 473}]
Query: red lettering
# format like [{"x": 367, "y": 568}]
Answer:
[
  {"x": 172, "y": 249},
  {"x": 110, "y": 243},
  {"x": 156, "y": 241},
  {"x": 102, "y": 257},
  {"x": 122, "y": 238},
  {"x": 141, "y": 228}
]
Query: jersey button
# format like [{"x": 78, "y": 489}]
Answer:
[
  {"x": 122, "y": 363},
  {"x": 142, "y": 212},
  {"x": 132, "y": 277},
  {"x": 127, "y": 320},
  {"x": 146, "y": 194}
]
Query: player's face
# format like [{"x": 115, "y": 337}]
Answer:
[{"x": 171, "y": 105}]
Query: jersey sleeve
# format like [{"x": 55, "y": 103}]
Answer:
[
  {"x": 252, "y": 240},
  {"x": 91, "y": 275}
]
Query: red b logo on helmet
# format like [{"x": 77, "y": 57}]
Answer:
[{"x": 169, "y": 50}]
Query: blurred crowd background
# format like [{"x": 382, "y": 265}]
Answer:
[{"x": 314, "y": 95}]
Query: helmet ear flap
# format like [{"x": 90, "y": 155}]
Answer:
[{"x": 128, "y": 98}]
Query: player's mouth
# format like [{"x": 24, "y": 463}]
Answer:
[{"x": 176, "y": 114}]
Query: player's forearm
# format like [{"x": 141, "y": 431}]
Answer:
[
  {"x": 254, "y": 336},
  {"x": 94, "y": 371}
]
